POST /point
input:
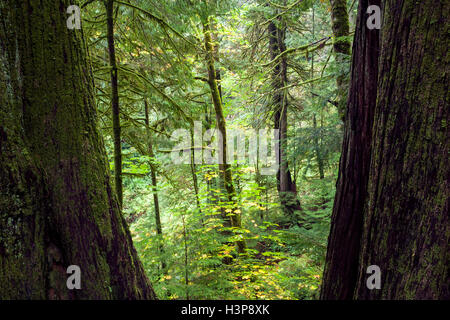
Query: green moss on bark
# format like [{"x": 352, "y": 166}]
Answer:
[{"x": 54, "y": 181}]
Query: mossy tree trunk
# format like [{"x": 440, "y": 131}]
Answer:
[
  {"x": 341, "y": 265},
  {"x": 109, "y": 4},
  {"x": 287, "y": 189},
  {"x": 406, "y": 219},
  {"x": 394, "y": 213},
  {"x": 341, "y": 47},
  {"x": 57, "y": 207},
  {"x": 224, "y": 167}
]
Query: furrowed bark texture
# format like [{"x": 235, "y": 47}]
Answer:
[
  {"x": 406, "y": 220},
  {"x": 57, "y": 207},
  {"x": 341, "y": 264},
  {"x": 403, "y": 226}
]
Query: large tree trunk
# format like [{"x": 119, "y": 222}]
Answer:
[
  {"x": 346, "y": 222},
  {"x": 287, "y": 189},
  {"x": 341, "y": 47},
  {"x": 57, "y": 207},
  {"x": 406, "y": 219},
  {"x": 394, "y": 213}
]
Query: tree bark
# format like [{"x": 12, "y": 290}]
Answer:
[
  {"x": 224, "y": 167},
  {"x": 406, "y": 218},
  {"x": 401, "y": 223},
  {"x": 316, "y": 142},
  {"x": 287, "y": 189},
  {"x": 341, "y": 264},
  {"x": 341, "y": 47},
  {"x": 109, "y": 4},
  {"x": 194, "y": 176},
  {"x": 57, "y": 207}
]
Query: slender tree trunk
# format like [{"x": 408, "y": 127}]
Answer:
[
  {"x": 406, "y": 218},
  {"x": 57, "y": 207},
  {"x": 211, "y": 180},
  {"x": 154, "y": 188},
  {"x": 219, "y": 182},
  {"x": 316, "y": 133},
  {"x": 258, "y": 181},
  {"x": 341, "y": 263},
  {"x": 317, "y": 150},
  {"x": 109, "y": 4},
  {"x": 194, "y": 176},
  {"x": 224, "y": 167},
  {"x": 341, "y": 47},
  {"x": 186, "y": 265},
  {"x": 287, "y": 190}
]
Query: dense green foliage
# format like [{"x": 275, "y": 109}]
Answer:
[{"x": 161, "y": 61}]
